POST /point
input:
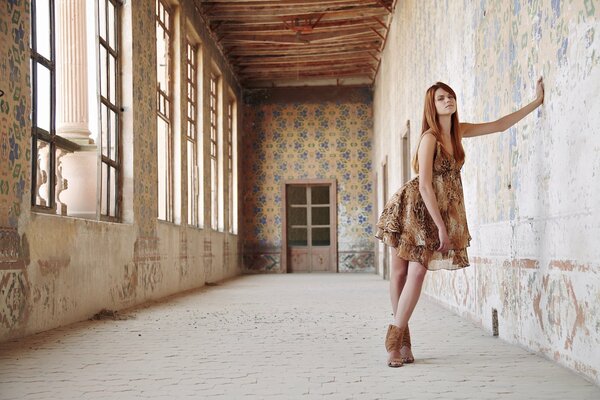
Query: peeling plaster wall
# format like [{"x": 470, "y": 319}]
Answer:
[
  {"x": 58, "y": 270},
  {"x": 533, "y": 192}
]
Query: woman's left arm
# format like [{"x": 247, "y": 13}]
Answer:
[{"x": 471, "y": 130}]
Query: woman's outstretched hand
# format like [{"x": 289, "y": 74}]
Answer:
[{"x": 539, "y": 90}]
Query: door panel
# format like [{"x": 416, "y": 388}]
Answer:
[
  {"x": 320, "y": 260},
  {"x": 310, "y": 228},
  {"x": 299, "y": 260}
]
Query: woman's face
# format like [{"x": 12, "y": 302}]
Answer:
[{"x": 445, "y": 103}]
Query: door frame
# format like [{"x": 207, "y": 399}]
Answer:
[{"x": 332, "y": 218}]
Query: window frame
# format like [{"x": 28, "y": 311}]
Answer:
[
  {"x": 214, "y": 148},
  {"x": 166, "y": 99},
  {"x": 116, "y": 163},
  {"x": 39, "y": 134},
  {"x": 194, "y": 217},
  {"x": 230, "y": 159}
]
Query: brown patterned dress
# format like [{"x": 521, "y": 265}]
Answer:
[{"x": 406, "y": 225}]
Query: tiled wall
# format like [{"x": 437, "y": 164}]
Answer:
[
  {"x": 532, "y": 192},
  {"x": 302, "y": 133}
]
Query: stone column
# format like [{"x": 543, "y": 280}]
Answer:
[
  {"x": 72, "y": 82},
  {"x": 79, "y": 168}
]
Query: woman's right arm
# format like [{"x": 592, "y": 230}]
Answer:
[{"x": 426, "y": 153}]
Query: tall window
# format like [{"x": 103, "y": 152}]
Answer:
[
  {"x": 230, "y": 166},
  {"x": 195, "y": 198},
  {"x": 43, "y": 110},
  {"x": 214, "y": 147},
  {"x": 164, "y": 111},
  {"x": 110, "y": 103}
]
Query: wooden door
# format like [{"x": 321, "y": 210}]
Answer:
[{"x": 310, "y": 227}]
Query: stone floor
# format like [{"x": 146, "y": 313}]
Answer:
[{"x": 290, "y": 336}]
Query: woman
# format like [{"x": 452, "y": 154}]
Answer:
[{"x": 425, "y": 221}]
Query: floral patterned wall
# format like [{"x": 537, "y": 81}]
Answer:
[
  {"x": 304, "y": 133},
  {"x": 14, "y": 110}
]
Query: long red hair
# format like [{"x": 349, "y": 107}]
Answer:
[{"x": 431, "y": 122}]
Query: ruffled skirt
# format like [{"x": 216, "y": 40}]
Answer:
[{"x": 406, "y": 225}]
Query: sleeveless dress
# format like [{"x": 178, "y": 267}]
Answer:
[{"x": 406, "y": 224}]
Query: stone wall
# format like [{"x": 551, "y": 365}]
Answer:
[
  {"x": 57, "y": 270},
  {"x": 532, "y": 192}
]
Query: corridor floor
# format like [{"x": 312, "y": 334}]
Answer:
[{"x": 295, "y": 336}]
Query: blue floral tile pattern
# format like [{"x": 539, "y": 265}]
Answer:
[{"x": 308, "y": 140}]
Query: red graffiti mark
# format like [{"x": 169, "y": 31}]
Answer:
[
  {"x": 568, "y": 265},
  {"x": 579, "y": 316},
  {"x": 53, "y": 266},
  {"x": 538, "y": 310}
]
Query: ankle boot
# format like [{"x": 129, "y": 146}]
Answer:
[
  {"x": 393, "y": 342},
  {"x": 406, "y": 342}
]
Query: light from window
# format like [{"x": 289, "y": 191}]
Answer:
[
  {"x": 230, "y": 165},
  {"x": 164, "y": 141},
  {"x": 43, "y": 107},
  {"x": 194, "y": 177}
]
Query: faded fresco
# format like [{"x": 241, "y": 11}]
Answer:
[
  {"x": 323, "y": 137},
  {"x": 531, "y": 192}
]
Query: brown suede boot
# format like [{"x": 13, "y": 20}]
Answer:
[
  {"x": 393, "y": 342},
  {"x": 407, "y": 358}
]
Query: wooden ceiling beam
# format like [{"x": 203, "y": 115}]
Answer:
[
  {"x": 313, "y": 65},
  {"x": 326, "y": 26},
  {"x": 362, "y": 12},
  {"x": 300, "y": 74},
  {"x": 385, "y": 5},
  {"x": 297, "y": 38},
  {"x": 290, "y": 59},
  {"x": 240, "y": 52},
  {"x": 273, "y": 3},
  {"x": 301, "y": 7},
  {"x": 272, "y": 29},
  {"x": 295, "y": 69}
]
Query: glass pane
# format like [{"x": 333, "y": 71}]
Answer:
[
  {"x": 113, "y": 192},
  {"x": 112, "y": 78},
  {"x": 42, "y": 27},
  {"x": 43, "y": 97},
  {"x": 113, "y": 135},
  {"x": 104, "y": 72},
  {"x": 43, "y": 174},
  {"x": 111, "y": 25},
  {"x": 320, "y": 215},
  {"x": 162, "y": 167},
  {"x": 191, "y": 182},
  {"x": 297, "y": 237},
  {"x": 296, "y": 194},
  {"x": 104, "y": 131},
  {"x": 104, "y": 195},
  {"x": 297, "y": 216},
  {"x": 102, "y": 18},
  {"x": 319, "y": 194},
  {"x": 162, "y": 59},
  {"x": 320, "y": 237}
]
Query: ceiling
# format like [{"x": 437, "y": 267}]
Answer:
[{"x": 300, "y": 42}]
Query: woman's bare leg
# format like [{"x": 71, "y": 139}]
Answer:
[
  {"x": 410, "y": 293},
  {"x": 398, "y": 274}
]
